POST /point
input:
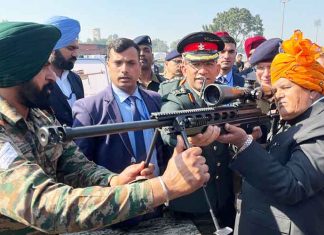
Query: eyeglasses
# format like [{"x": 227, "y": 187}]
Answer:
[
  {"x": 177, "y": 61},
  {"x": 262, "y": 68},
  {"x": 199, "y": 64}
]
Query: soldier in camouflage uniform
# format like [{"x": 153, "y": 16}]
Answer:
[
  {"x": 55, "y": 189},
  {"x": 199, "y": 52}
]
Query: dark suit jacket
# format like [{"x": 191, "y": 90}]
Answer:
[
  {"x": 283, "y": 187},
  {"x": 238, "y": 80},
  {"x": 111, "y": 151},
  {"x": 59, "y": 104}
]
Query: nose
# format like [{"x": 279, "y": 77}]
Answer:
[
  {"x": 224, "y": 54},
  {"x": 279, "y": 94},
  {"x": 266, "y": 73},
  {"x": 75, "y": 53},
  {"x": 124, "y": 68},
  {"x": 202, "y": 70}
]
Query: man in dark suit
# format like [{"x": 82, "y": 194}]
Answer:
[
  {"x": 113, "y": 105},
  {"x": 68, "y": 87},
  {"x": 283, "y": 187},
  {"x": 226, "y": 61},
  {"x": 122, "y": 101}
]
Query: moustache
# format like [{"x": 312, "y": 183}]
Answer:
[
  {"x": 201, "y": 78},
  {"x": 73, "y": 58},
  {"x": 143, "y": 58},
  {"x": 48, "y": 88},
  {"x": 124, "y": 78}
]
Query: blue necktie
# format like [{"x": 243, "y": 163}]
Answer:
[
  {"x": 139, "y": 136},
  {"x": 222, "y": 80}
]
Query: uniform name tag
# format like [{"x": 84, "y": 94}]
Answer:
[{"x": 7, "y": 155}]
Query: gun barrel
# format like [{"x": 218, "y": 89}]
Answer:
[
  {"x": 55, "y": 134},
  {"x": 192, "y": 120}
]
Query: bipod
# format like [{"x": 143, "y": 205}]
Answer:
[{"x": 180, "y": 127}]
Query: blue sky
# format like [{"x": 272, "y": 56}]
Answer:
[{"x": 168, "y": 20}]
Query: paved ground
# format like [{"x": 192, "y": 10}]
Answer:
[{"x": 158, "y": 226}]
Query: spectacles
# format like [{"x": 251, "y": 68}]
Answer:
[
  {"x": 262, "y": 68},
  {"x": 177, "y": 61},
  {"x": 199, "y": 64}
]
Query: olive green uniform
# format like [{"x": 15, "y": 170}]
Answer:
[
  {"x": 154, "y": 83},
  {"x": 178, "y": 95}
]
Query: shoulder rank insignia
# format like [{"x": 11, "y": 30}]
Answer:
[
  {"x": 172, "y": 80},
  {"x": 180, "y": 91}
]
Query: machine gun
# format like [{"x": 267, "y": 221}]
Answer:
[
  {"x": 188, "y": 122},
  {"x": 185, "y": 122}
]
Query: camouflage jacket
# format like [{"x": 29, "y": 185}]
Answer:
[{"x": 55, "y": 189}]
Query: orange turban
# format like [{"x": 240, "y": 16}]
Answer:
[{"x": 298, "y": 63}]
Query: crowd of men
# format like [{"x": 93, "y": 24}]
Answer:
[{"x": 262, "y": 182}]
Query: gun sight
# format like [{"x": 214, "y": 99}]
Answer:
[{"x": 216, "y": 94}]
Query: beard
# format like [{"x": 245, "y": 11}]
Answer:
[
  {"x": 32, "y": 97},
  {"x": 60, "y": 62}
]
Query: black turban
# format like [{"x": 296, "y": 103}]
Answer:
[{"x": 24, "y": 50}]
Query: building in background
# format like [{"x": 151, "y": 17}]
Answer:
[{"x": 96, "y": 35}]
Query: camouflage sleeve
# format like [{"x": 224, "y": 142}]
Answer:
[
  {"x": 31, "y": 197},
  {"x": 76, "y": 170}
]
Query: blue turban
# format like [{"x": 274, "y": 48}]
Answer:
[{"x": 69, "y": 28}]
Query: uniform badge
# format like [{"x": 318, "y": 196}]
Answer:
[
  {"x": 7, "y": 155},
  {"x": 201, "y": 47}
]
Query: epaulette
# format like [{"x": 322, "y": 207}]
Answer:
[
  {"x": 170, "y": 85},
  {"x": 172, "y": 80},
  {"x": 180, "y": 91}
]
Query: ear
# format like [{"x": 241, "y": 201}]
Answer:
[
  {"x": 52, "y": 56},
  {"x": 218, "y": 67},
  {"x": 183, "y": 68},
  {"x": 314, "y": 95}
]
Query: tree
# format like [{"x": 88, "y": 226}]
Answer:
[
  {"x": 238, "y": 22},
  {"x": 102, "y": 41},
  {"x": 159, "y": 45},
  {"x": 173, "y": 45},
  {"x": 111, "y": 38}
]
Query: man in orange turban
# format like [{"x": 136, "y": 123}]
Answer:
[
  {"x": 283, "y": 187},
  {"x": 298, "y": 63}
]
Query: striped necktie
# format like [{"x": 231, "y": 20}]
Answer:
[
  {"x": 222, "y": 80},
  {"x": 139, "y": 136}
]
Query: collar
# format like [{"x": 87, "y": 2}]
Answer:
[
  {"x": 315, "y": 108},
  {"x": 63, "y": 76},
  {"x": 318, "y": 100},
  {"x": 154, "y": 78},
  {"x": 227, "y": 76},
  {"x": 123, "y": 95},
  {"x": 9, "y": 113},
  {"x": 198, "y": 93}
]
